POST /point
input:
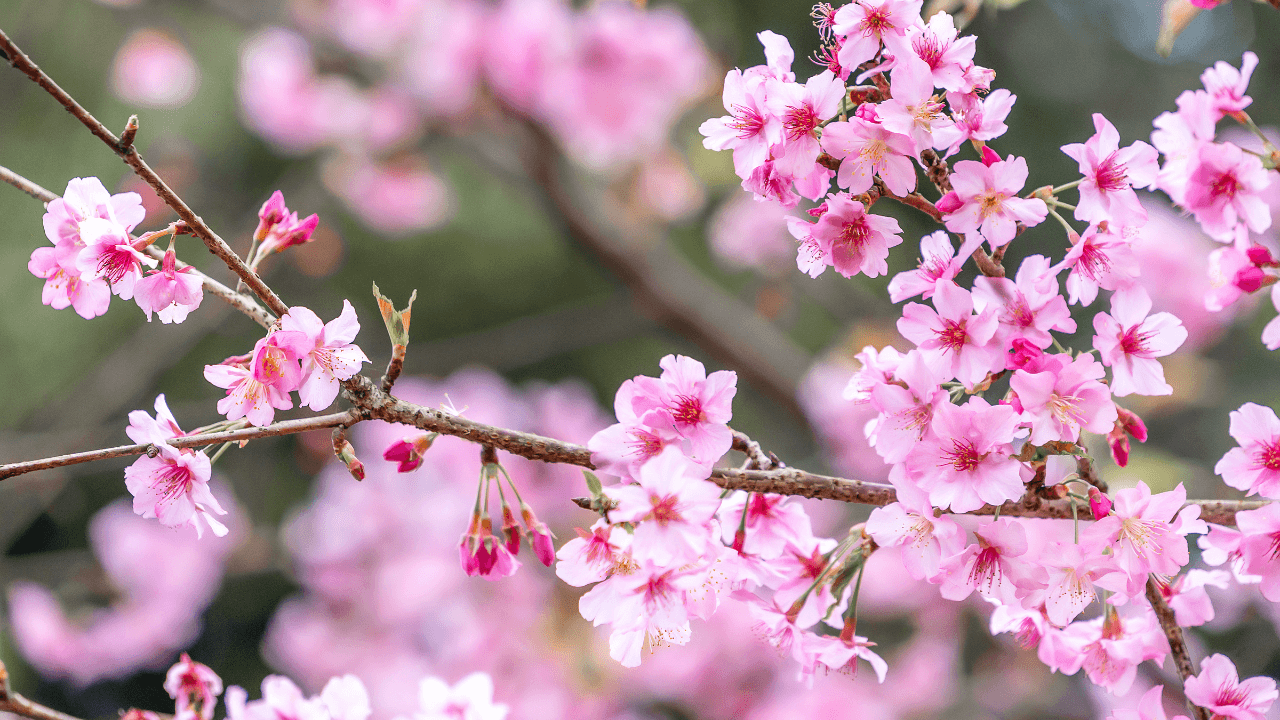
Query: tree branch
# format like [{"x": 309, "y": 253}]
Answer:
[
  {"x": 12, "y": 702},
  {"x": 1177, "y": 644},
  {"x": 133, "y": 159},
  {"x": 27, "y": 186}
]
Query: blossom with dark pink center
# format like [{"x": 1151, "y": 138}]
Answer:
[
  {"x": 1029, "y": 306},
  {"x": 979, "y": 118},
  {"x": 987, "y": 200},
  {"x": 671, "y": 504},
  {"x": 1064, "y": 398},
  {"x": 854, "y": 240},
  {"x": 1254, "y": 466},
  {"x": 938, "y": 44},
  {"x": 993, "y": 566},
  {"x": 966, "y": 463},
  {"x": 913, "y": 109},
  {"x": 173, "y": 487},
  {"x": 1224, "y": 191},
  {"x": 866, "y": 149},
  {"x": 1227, "y": 86},
  {"x": 804, "y": 109},
  {"x": 910, "y": 524},
  {"x": 327, "y": 353},
  {"x": 954, "y": 341},
  {"x": 64, "y": 287},
  {"x": 752, "y": 126},
  {"x": 1097, "y": 259},
  {"x": 593, "y": 556},
  {"x": 646, "y": 607},
  {"x": 1110, "y": 648},
  {"x": 255, "y": 391},
  {"x": 170, "y": 292},
  {"x": 1219, "y": 689},
  {"x": 938, "y": 263},
  {"x": 1257, "y": 546},
  {"x": 109, "y": 254},
  {"x": 194, "y": 687},
  {"x": 695, "y": 405},
  {"x": 867, "y": 23},
  {"x": 906, "y": 413},
  {"x": 1140, "y": 535},
  {"x": 1130, "y": 339},
  {"x": 1072, "y": 569},
  {"x": 87, "y": 198},
  {"x": 1110, "y": 174}
]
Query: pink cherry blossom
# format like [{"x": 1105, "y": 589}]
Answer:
[
  {"x": 867, "y": 23},
  {"x": 257, "y": 390},
  {"x": 979, "y": 118},
  {"x": 804, "y": 108},
  {"x": 1187, "y": 597},
  {"x": 866, "y": 149},
  {"x": 471, "y": 698},
  {"x": 906, "y": 414},
  {"x": 1151, "y": 707},
  {"x": 967, "y": 461},
  {"x": 170, "y": 292},
  {"x": 854, "y": 240},
  {"x": 173, "y": 487},
  {"x": 914, "y": 110},
  {"x": 938, "y": 44},
  {"x": 1110, "y": 648},
  {"x": 671, "y": 504},
  {"x": 1110, "y": 174},
  {"x": 993, "y": 565},
  {"x": 1227, "y": 85},
  {"x": 86, "y": 198},
  {"x": 1072, "y": 569},
  {"x": 331, "y": 356},
  {"x": 695, "y": 405},
  {"x": 145, "y": 429},
  {"x": 988, "y": 200},
  {"x": 925, "y": 540},
  {"x": 1130, "y": 339},
  {"x": 1098, "y": 259},
  {"x": 195, "y": 688},
  {"x": 645, "y": 607},
  {"x": 64, "y": 287},
  {"x": 109, "y": 254},
  {"x": 1029, "y": 307},
  {"x": 1224, "y": 188},
  {"x": 954, "y": 341},
  {"x": 1259, "y": 542},
  {"x": 938, "y": 263},
  {"x": 407, "y": 452},
  {"x": 1254, "y": 466},
  {"x": 1219, "y": 689},
  {"x": 1064, "y": 399},
  {"x": 752, "y": 126},
  {"x": 1140, "y": 536}
]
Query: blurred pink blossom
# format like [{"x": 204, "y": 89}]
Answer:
[{"x": 153, "y": 69}]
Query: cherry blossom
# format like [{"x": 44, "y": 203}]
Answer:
[
  {"x": 1064, "y": 399},
  {"x": 867, "y": 23},
  {"x": 1151, "y": 707},
  {"x": 1098, "y": 259},
  {"x": 954, "y": 341},
  {"x": 173, "y": 487},
  {"x": 1226, "y": 85},
  {"x": 1254, "y": 466},
  {"x": 938, "y": 264},
  {"x": 195, "y": 688},
  {"x": 471, "y": 698},
  {"x": 866, "y": 149},
  {"x": 170, "y": 292},
  {"x": 1219, "y": 689},
  {"x": 967, "y": 461},
  {"x": 671, "y": 504},
  {"x": 1129, "y": 340},
  {"x": 695, "y": 405},
  {"x": 993, "y": 565},
  {"x": 1140, "y": 536},
  {"x": 986, "y": 200},
  {"x": 853, "y": 240},
  {"x": 331, "y": 357},
  {"x": 1110, "y": 174},
  {"x": 1224, "y": 189}
]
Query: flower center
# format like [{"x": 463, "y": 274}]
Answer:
[
  {"x": 1134, "y": 341},
  {"x": 1093, "y": 262},
  {"x": 962, "y": 457},
  {"x": 1066, "y": 409},
  {"x": 1269, "y": 456},
  {"x": 1110, "y": 175},
  {"x": 666, "y": 509},
  {"x": 855, "y": 235},
  {"x": 986, "y": 572},
  {"x": 875, "y": 23},
  {"x": 953, "y": 335},
  {"x": 800, "y": 121},
  {"x": 747, "y": 121},
  {"x": 991, "y": 203},
  {"x": 1225, "y": 185},
  {"x": 688, "y": 410},
  {"x": 929, "y": 48}
]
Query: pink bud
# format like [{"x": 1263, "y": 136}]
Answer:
[
  {"x": 1099, "y": 503},
  {"x": 1259, "y": 255},
  {"x": 1132, "y": 424},
  {"x": 408, "y": 451},
  {"x": 949, "y": 203},
  {"x": 542, "y": 546},
  {"x": 1249, "y": 278},
  {"x": 273, "y": 211},
  {"x": 511, "y": 529},
  {"x": 1119, "y": 448},
  {"x": 989, "y": 156},
  {"x": 1025, "y": 356},
  {"x": 819, "y": 211},
  {"x": 867, "y": 111}
]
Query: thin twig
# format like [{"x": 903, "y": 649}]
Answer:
[
  {"x": 1177, "y": 644},
  {"x": 27, "y": 186},
  {"x": 287, "y": 427},
  {"x": 12, "y": 702},
  {"x": 757, "y": 458},
  {"x": 133, "y": 159}
]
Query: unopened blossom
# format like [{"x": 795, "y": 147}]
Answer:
[
  {"x": 866, "y": 150},
  {"x": 173, "y": 487},
  {"x": 671, "y": 504},
  {"x": 854, "y": 240},
  {"x": 272, "y": 213},
  {"x": 966, "y": 463},
  {"x": 1129, "y": 340},
  {"x": 1227, "y": 85},
  {"x": 954, "y": 341},
  {"x": 1224, "y": 190},
  {"x": 1110, "y": 174},
  {"x": 938, "y": 263},
  {"x": 483, "y": 554},
  {"x": 407, "y": 452},
  {"x": 1140, "y": 535},
  {"x": 471, "y": 698},
  {"x": 1219, "y": 689},
  {"x": 867, "y": 23},
  {"x": 331, "y": 357},
  {"x": 1254, "y": 466},
  {"x": 1097, "y": 259},
  {"x": 170, "y": 292},
  {"x": 194, "y": 687},
  {"x": 1064, "y": 399},
  {"x": 288, "y": 232},
  {"x": 697, "y": 406},
  {"x": 986, "y": 200}
]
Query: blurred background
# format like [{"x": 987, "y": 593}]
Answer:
[{"x": 534, "y": 171}]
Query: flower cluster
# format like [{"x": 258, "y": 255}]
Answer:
[
  {"x": 301, "y": 353},
  {"x": 94, "y": 255}
]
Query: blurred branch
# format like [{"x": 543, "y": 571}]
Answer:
[
  {"x": 133, "y": 159},
  {"x": 12, "y": 702},
  {"x": 665, "y": 284},
  {"x": 1177, "y": 644},
  {"x": 26, "y": 186}
]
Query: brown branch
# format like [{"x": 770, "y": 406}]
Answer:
[
  {"x": 130, "y": 156},
  {"x": 1177, "y": 644},
  {"x": 757, "y": 458},
  {"x": 27, "y": 186},
  {"x": 287, "y": 427},
  {"x": 12, "y": 702}
]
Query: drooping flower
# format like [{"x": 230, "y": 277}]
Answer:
[
  {"x": 938, "y": 263},
  {"x": 194, "y": 687},
  {"x": 170, "y": 292},
  {"x": 854, "y": 240},
  {"x": 1140, "y": 535},
  {"x": 1224, "y": 191},
  {"x": 173, "y": 487}
]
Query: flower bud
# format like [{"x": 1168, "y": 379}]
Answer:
[
  {"x": 511, "y": 529},
  {"x": 408, "y": 451},
  {"x": 1132, "y": 424},
  {"x": 1249, "y": 278},
  {"x": 1259, "y": 255},
  {"x": 867, "y": 111},
  {"x": 540, "y": 536},
  {"x": 949, "y": 203},
  {"x": 1099, "y": 503},
  {"x": 989, "y": 156}
]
